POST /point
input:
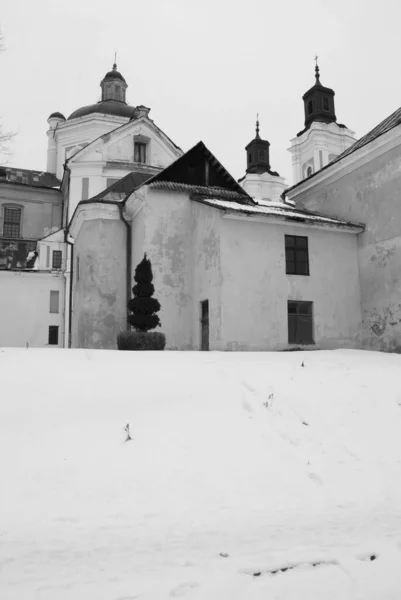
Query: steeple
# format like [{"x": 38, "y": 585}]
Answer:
[
  {"x": 113, "y": 85},
  {"x": 319, "y": 102},
  {"x": 257, "y": 152}
]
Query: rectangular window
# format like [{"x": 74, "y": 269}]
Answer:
[
  {"x": 326, "y": 104},
  {"x": 47, "y": 257},
  {"x": 110, "y": 182},
  {"x": 310, "y": 107},
  {"x": 54, "y": 301},
  {"x": 85, "y": 188},
  {"x": 53, "y": 335},
  {"x": 57, "y": 259},
  {"x": 139, "y": 152},
  {"x": 300, "y": 325},
  {"x": 296, "y": 255},
  {"x": 12, "y": 222}
]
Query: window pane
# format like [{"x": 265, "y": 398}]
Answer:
[
  {"x": 12, "y": 221},
  {"x": 290, "y": 267},
  {"x": 304, "y": 329},
  {"x": 289, "y": 241},
  {"x": 292, "y": 307},
  {"x": 305, "y": 308},
  {"x": 57, "y": 258},
  {"x": 301, "y": 242},
  {"x": 54, "y": 301},
  {"x": 302, "y": 268}
]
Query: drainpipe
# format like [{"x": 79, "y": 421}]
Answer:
[
  {"x": 66, "y": 231},
  {"x": 128, "y": 257}
]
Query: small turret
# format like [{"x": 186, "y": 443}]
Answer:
[{"x": 54, "y": 121}]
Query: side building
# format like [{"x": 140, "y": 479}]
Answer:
[{"x": 32, "y": 258}]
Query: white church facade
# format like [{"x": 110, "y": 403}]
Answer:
[{"x": 238, "y": 265}]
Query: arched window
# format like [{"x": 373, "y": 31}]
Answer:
[
  {"x": 12, "y": 222},
  {"x": 309, "y": 172},
  {"x": 262, "y": 155}
]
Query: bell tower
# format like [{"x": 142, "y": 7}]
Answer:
[
  {"x": 322, "y": 138},
  {"x": 260, "y": 182}
]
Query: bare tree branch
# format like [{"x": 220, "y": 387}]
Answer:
[{"x": 5, "y": 136}]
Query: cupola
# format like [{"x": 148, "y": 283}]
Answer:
[
  {"x": 257, "y": 154},
  {"x": 319, "y": 103},
  {"x": 113, "y": 86}
]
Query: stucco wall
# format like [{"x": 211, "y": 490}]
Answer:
[
  {"x": 167, "y": 240},
  {"x": 99, "y": 291},
  {"x": 207, "y": 280},
  {"x": 371, "y": 194},
  {"x": 41, "y": 209},
  {"x": 256, "y": 288},
  {"x": 25, "y": 308}
]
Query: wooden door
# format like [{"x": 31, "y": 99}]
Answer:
[{"x": 205, "y": 325}]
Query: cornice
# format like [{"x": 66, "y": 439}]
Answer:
[
  {"x": 89, "y": 212},
  {"x": 282, "y": 220}
]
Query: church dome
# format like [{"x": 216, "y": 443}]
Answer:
[
  {"x": 116, "y": 108},
  {"x": 57, "y": 115}
]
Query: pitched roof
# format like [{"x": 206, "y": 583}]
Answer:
[
  {"x": 32, "y": 178},
  {"x": 389, "y": 123},
  {"x": 198, "y": 168},
  {"x": 281, "y": 212},
  {"x": 119, "y": 189}
]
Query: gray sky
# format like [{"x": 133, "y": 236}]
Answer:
[{"x": 204, "y": 68}]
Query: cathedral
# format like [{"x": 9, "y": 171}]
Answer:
[{"x": 239, "y": 265}]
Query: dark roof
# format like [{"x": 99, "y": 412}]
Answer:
[
  {"x": 389, "y": 123},
  {"x": 32, "y": 178},
  {"x": 105, "y": 107},
  {"x": 114, "y": 74},
  {"x": 57, "y": 115},
  {"x": 122, "y": 187},
  {"x": 200, "y": 168}
]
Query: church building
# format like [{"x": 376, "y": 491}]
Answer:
[{"x": 238, "y": 265}]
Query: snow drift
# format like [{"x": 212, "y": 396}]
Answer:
[{"x": 248, "y": 476}]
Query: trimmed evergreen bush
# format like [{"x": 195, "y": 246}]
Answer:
[
  {"x": 143, "y": 318},
  {"x": 141, "y": 340}
]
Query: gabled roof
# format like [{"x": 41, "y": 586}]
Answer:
[
  {"x": 199, "y": 171},
  {"x": 107, "y": 135},
  {"x": 389, "y": 123},
  {"x": 33, "y": 178}
]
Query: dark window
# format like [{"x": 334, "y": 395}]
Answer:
[
  {"x": 296, "y": 255},
  {"x": 310, "y": 107},
  {"x": 309, "y": 172},
  {"x": 12, "y": 222},
  {"x": 249, "y": 157},
  {"x": 77, "y": 268},
  {"x": 326, "y": 104},
  {"x": 262, "y": 155},
  {"x": 57, "y": 258},
  {"x": 300, "y": 326},
  {"x": 53, "y": 335},
  {"x": 140, "y": 152}
]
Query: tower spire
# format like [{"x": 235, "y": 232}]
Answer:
[
  {"x": 115, "y": 61},
  {"x": 257, "y": 137},
  {"x": 317, "y": 74}
]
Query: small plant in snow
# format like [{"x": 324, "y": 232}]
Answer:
[
  {"x": 302, "y": 364},
  {"x": 269, "y": 402},
  {"x": 126, "y": 429}
]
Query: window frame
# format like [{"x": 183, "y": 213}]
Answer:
[
  {"x": 16, "y": 208},
  {"x": 138, "y": 144},
  {"x": 58, "y": 253},
  {"x": 297, "y": 320},
  {"x": 54, "y": 307},
  {"x": 296, "y": 248}
]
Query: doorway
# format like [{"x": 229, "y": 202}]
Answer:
[{"x": 205, "y": 325}]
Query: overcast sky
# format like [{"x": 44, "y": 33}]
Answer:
[{"x": 205, "y": 68}]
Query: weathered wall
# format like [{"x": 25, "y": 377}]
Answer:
[
  {"x": 207, "y": 280},
  {"x": 167, "y": 240},
  {"x": 371, "y": 194},
  {"x": 99, "y": 291},
  {"x": 41, "y": 209},
  {"x": 25, "y": 307},
  {"x": 256, "y": 289}
]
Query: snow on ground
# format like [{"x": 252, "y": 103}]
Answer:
[{"x": 248, "y": 477}]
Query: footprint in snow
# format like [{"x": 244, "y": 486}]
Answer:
[
  {"x": 315, "y": 478},
  {"x": 182, "y": 589}
]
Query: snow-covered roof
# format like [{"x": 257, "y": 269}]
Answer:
[{"x": 281, "y": 211}]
